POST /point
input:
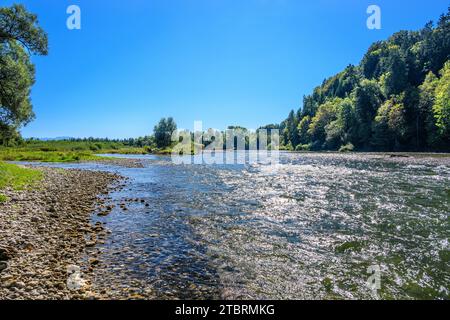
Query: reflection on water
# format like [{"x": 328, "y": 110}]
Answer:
[{"x": 307, "y": 228}]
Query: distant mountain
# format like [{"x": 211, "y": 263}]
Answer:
[{"x": 54, "y": 139}]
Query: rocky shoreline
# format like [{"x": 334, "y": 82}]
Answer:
[
  {"x": 121, "y": 162},
  {"x": 45, "y": 234}
]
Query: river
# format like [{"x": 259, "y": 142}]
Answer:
[{"x": 314, "y": 226}]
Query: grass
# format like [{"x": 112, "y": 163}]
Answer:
[
  {"x": 17, "y": 177},
  {"x": 162, "y": 151},
  {"x": 69, "y": 145},
  {"x": 46, "y": 156},
  {"x": 125, "y": 151},
  {"x": 64, "y": 151}
]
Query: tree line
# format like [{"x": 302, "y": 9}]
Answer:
[{"x": 396, "y": 99}]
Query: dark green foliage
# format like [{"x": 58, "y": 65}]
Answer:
[
  {"x": 320, "y": 123},
  {"x": 341, "y": 131},
  {"x": 367, "y": 98},
  {"x": 441, "y": 106},
  {"x": 303, "y": 128},
  {"x": 429, "y": 132},
  {"x": 397, "y": 98},
  {"x": 16, "y": 24},
  {"x": 163, "y": 132},
  {"x": 20, "y": 36},
  {"x": 290, "y": 132}
]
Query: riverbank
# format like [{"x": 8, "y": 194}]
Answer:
[
  {"x": 121, "y": 162},
  {"x": 45, "y": 231},
  {"x": 63, "y": 152}
]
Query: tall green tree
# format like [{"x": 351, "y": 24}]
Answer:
[
  {"x": 426, "y": 101},
  {"x": 302, "y": 128},
  {"x": 441, "y": 107},
  {"x": 390, "y": 125},
  {"x": 368, "y": 98},
  {"x": 397, "y": 123},
  {"x": 341, "y": 131},
  {"x": 163, "y": 132},
  {"x": 326, "y": 113},
  {"x": 291, "y": 126},
  {"x": 20, "y": 37},
  {"x": 381, "y": 135},
  {"x": 395, "y": 78}
]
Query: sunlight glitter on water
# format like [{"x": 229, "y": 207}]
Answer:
[{"x": 306, "y": 228}]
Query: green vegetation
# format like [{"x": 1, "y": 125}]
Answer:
[
  {"x": 65, "y": 150},
  {"x": 163, "y": 132},
  {"x": 69, "y": 150},
  {"x": 45, "y": 156},
  {"x": 81, "y": 145},
  {"x": 20, "y": 36},
  {"x": 327, "y": 284},
  {"x": 3, "y": 198},
  {"x": 349, "y": 246},
  {"x": 347, "y": 148},
  {"x": 17, "y": 177},
  {"x": 396, "y": 99}
]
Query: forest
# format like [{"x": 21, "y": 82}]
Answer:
[{"x": 396, "y": 99}]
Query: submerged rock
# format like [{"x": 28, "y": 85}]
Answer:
[
  {"x": 47, "y": 230},
  {"x": 3, "y": 265}
]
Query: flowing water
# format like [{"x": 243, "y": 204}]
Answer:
[{"x": 314, "y": 226}]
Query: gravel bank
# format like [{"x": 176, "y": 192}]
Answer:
[
  {"x": 122, "y": 162},
  {"x": 45, "y": 234}
]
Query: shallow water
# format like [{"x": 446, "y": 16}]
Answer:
[{"x": 307, "y": 228}]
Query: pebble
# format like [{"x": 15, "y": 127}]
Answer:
[{"x": 43, "y": 230}]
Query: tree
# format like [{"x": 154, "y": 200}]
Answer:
[
  {"x": 18, "y": 25},
  {"x": 20, "y": 36},
  {"x": 390, "y": 125},
  {"x": 371, "y": 60},
  {"x": 326, "y": 113},
  {"x": 348, "y": 80},
  {"x": 163, "y": 132},
  {"x": 441, "y": 107},
  {"x": 381, "y": 135},
  {"x": 340, "y": 131},
  {"x": 435, "y": 47},
  {"x": 368, "y": 98},
  {"x": 427, "y": 91},
  {"x": 397, "y": 123},
  {"x": 291, "y": 126},
  {"x": 309, "y": 106},
  {"x": 302, "y": 129},
  {"x": 392, "y": 98},
  {"x": 395, "y": 78}
]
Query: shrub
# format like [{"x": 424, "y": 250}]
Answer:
[
  {"x": 303, "y": 147},
  {"x": 287, "y": 147},
  {"x": 347, "y": 148},
  {"x": 148, "y": 149},
  {"x": 95, "y": 147}
]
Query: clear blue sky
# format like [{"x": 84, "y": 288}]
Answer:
[{"x": 225, "y": 62}]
